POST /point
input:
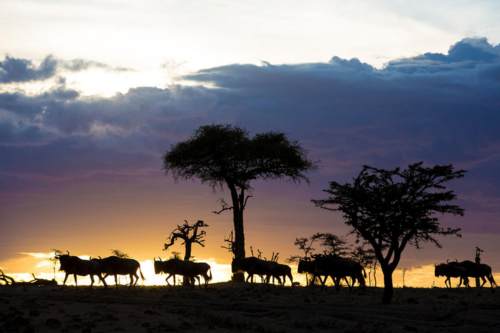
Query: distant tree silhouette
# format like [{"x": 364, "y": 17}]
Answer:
[
  {"x": 332, "y": 244},
  {"x": 477, "y": 260},
  {"x": 54, "y": 259},
  {"x": 393, "y": 208},
  {"x": 225, "y": 155},
  {"x": 189, "y": 234},
  {"x": 119, "y": 253}
]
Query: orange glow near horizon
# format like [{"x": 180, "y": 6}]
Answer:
[{"x": 42, "y": 267}]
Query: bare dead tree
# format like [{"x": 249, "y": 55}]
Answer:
[
  {"x": 190, "y": 234},
  {"x": 229, "y": 243}
]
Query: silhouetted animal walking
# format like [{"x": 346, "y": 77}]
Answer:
[
  {"x": 189, "y": 269},
  {"x": 449, "y": 270},
  {"x": 324, "y": 266},
  {"x": 481, "y": 271},
  {"x": 279, "y": 271},
  {"x": 76, "y": 266},
  {"x": 254, "y": 266},
  {"x": 114, "y": 265}
]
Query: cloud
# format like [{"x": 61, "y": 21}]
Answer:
[
  {"x": 76, "y": 65},
  {"x": 24, "y": 70},
  {"x": 440, "y": 108}
]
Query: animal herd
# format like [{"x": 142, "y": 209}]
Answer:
[
  {"x": 319, "y": 269},
  {"x": 464, "y": 270}
]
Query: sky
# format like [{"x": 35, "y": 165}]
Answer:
[{"x": 92, "y": 93}]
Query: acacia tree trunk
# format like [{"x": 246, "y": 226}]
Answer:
[
  {"x": 187, "y": 256},
  {"x": 239, "y": 234},
  {"x": 239, "y": 241},
  {"x": 388, "y": 286}
]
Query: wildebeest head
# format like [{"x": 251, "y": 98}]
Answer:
[
  {"x": 440, "y": 269},
  {"x": 66, "y": 261},
  {"x": 158, "y": 265}
]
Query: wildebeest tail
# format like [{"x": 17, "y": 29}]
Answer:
[
  {"x": 140, "y": 272},
  {"x": 209, "y": 274}
]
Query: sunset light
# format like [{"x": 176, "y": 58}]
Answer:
[{"x": 298, "y": 166}]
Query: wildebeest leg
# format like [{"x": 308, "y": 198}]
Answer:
[
  {"x": 116, "y": 280},
  {"x": 447, "y": 281},
  {"x": 76, "y": 280},
  {"x": 102, "y": 280},
  {"x": 133, "y": 281},
  {"x": 91, "y": 280},
  {"x": 65, "y": 278},
  {"x": 136, "y": 278},
  {"x": 483, "y": 281},
  {"x": 323, "y": 281}
]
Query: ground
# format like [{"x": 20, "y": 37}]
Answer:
[{"x": 245, "y": 308}]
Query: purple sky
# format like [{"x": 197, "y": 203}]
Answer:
[{"x": 75, "y": 168}]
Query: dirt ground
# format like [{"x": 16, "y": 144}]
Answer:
[{"x": 245, "y": 308}]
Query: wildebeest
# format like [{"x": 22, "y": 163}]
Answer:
[
  {"x": 76, "y": 266},
  {"x": 114, "y": 265},
  {"x": 188, "y": 269},
  {"x": 279, "y": 271},
  {"x": 253, "y": 266},
  {"x": 449, "y": 270},
  {"x": 263, "y": 268},
  {"x": 324, "y": 266},
  {"x": 481, "y": 271},
  {"x": 464, "y": 270}
]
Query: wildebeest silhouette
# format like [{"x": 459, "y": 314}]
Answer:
[
  {"x": 451, "y": 270},
  {"x": 189, "y": 269},
  {"x": 264, "y": 268},
  {"x": 114, "y": 265},
  {"x": 253, "y": 266},
  {"x": 323, "y": 266},
  {"x": 279, "y": 271},
  {"x": 76, "y": 266},
  {"x": 481, "y": 271},
  {"x": 464, "y": 270}
]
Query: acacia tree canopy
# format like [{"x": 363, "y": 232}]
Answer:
[
  {"x": 390, "y": 209},
  {"x": 219, "y": 154}
]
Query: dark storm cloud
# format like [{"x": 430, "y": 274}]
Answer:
[
  {"x": 24, "y": 70},
  {"x": 439, "y": 108},
  {"x": 21, "y": 70}
]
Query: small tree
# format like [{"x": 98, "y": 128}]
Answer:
[
  {"x": 119, "y": 253},
  {"x": 393, "y": 208},
  {"x": 333, "y": 245},
  {"x": 190, "y": 234},
  {"x": 54, "y": 259},
  {"x": 223, "y": 155}
]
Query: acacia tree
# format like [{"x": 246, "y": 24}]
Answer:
[
  {"x": 226, "y": 156},
  {"x": 190, "y": 234},
  {"x": 390, "y": 209}
]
